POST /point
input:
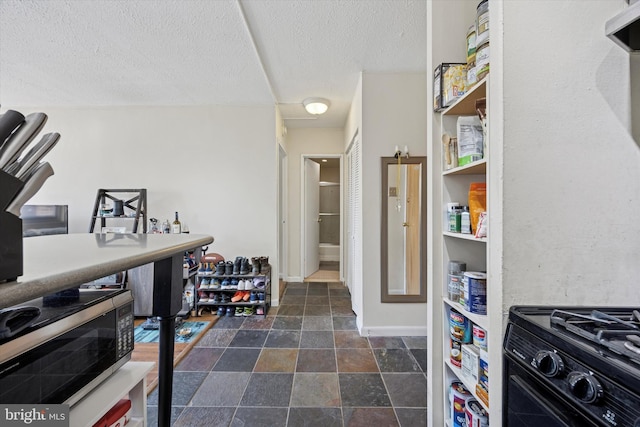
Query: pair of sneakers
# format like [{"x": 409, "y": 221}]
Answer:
[
  {"x": 244, "y": 311},
  {"x": 245, "y": 284},
  {"x": 241, "y": 296},
  {"x": 225, "y": 311},
  {"x": 229, "y": 284}
]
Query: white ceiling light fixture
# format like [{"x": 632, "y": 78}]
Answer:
[{"x": 316, "y": 105}]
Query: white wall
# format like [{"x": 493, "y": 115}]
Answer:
[
  {"x": 300, "y": 142},
  {"x": 571, "y": 167},
  {"x": 394, "y": 111},
  {"x": 215, "y": 165}
]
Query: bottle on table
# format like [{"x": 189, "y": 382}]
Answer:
[{"x": 176, "y": 226}]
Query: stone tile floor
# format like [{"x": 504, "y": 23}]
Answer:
[{"x": 304, "y": 364}]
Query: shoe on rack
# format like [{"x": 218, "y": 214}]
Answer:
[
  {"x": 248, "y": 311},
  {"x": 224, "y": 298},
  {"x": 236, "y": 265},
  {"x": 260, "y": 311},
  {"x": 241, "y": 284},
  {"x": 246, "y": 296},
  {"x": 202, "y": 267},
  {"x": 244, "y": 266},
  {"x": 228, "y": 268},
  {"x": 237, "y": 296},
  {"x": 234, "y": 284},
  {"x": 255, "y": 265},
  {"x": 207, "y": 270},
  {"x": 221, "y": 311},
  {"x": 264, "y": 264},
  {"x": 220, "y": 266},
  {"x": 239, "y": 311},
  {"x": 225, "y": 284},
  {"x": 204, "y": 283},
  {"x": 260, "y": 297},
  {"x": 203, "y": 296},
  {"x": 258, "y": 282},
  {"x": 253, "y": 297},
  {"x": 230, "y": 312},
  {"x": 215, "y": 284},
  {"x": 214, "y": 298}
]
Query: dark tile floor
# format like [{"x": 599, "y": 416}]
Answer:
[{"x": 302, "y": 365}]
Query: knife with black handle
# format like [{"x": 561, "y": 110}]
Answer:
[
  {"x": 23, "y": 167},
  {"x": 9, "y": 121},
  {"x": 32, "y": 184},
  {"x": 17, "y": 142}
]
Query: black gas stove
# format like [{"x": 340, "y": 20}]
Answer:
[{"x": 572, "y": 366}]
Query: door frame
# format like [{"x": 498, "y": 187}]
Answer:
[
  {"x": 283, "y": 203},
  {"x": 303, "y": 237}
]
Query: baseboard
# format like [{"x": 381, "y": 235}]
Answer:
[
  {"x": 393, "y": 331},
  {"x": 294, "y": 279}
]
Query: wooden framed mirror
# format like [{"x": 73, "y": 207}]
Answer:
[{"x": 403, "y": 261}]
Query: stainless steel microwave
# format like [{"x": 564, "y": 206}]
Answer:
[{"x": 79, "y": 338}]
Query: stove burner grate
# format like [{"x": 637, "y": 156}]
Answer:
[{"x": 612, "y": 332}]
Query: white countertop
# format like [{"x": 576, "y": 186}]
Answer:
[{"x": 56, "y": 263}]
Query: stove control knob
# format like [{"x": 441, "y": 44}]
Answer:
[
  {"x": 585, "y": 387},
  {"x": 550, "y": 364}
]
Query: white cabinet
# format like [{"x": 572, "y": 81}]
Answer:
[{"x": 129, "y": 380}]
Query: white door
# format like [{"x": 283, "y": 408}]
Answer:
[
  {"x": 311, "y": 217},
  {"x": 354, "y": 226}
]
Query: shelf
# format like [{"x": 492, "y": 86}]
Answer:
[
  {"x": 243, "y": 276},
  {"x": 469, "y": 385},
  {"x": 466, "y": 105},
  {"x": 479, "y": 319},
  {"x": 476, "y": 168},
  {"x": 234, "y": 304},
  {"x": 128, "y": 380},
  {"x": 465, "y": 236},
  {"x": 329, "y": 214}
]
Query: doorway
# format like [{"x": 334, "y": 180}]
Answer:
[{"x": 322, "y": 218}]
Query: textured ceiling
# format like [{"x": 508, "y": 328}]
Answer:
[{"x": 204, "y": 52}]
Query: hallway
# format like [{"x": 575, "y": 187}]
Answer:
[{"x": 303, "y": 365}]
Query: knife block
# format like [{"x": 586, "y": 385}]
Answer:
[{"x": 10, "y": 230}]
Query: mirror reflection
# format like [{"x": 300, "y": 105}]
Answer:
[{"x": 403, "y": 233}]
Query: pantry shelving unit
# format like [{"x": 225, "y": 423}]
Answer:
[{"x": 447, "y": 24}]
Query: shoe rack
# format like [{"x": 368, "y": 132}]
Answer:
[{"x": 234, "y": 288}]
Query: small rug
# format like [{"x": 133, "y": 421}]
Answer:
[{"x": 185, "y": 332}]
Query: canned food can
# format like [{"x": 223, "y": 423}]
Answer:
[
  {"x": 458, "y": 398},
  {"x": 455, "y": 353},
  {"x": 475, "y": 414},
  {"x": 479, "y": 337},
  {"x": 475, "y": 292},
  {"x": 459, "y": 327},
  {"x": 482, "y": 60},
  {"x": 471, "y": 44}
]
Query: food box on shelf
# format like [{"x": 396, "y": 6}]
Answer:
[
  {"x": 483, "y": 394},
  {"x": 442, "y": 83},
  {"x": 483, "y": 378},
  {"x": 471, "y": 363}
]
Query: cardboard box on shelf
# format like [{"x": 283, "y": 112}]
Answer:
[
  {"x": 439, "y": 84},
  {"x": 454, "y": 83},
  {"x": 471, "y": 363}
]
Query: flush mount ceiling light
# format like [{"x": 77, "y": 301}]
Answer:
[{"x": 316, "y": 105}]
